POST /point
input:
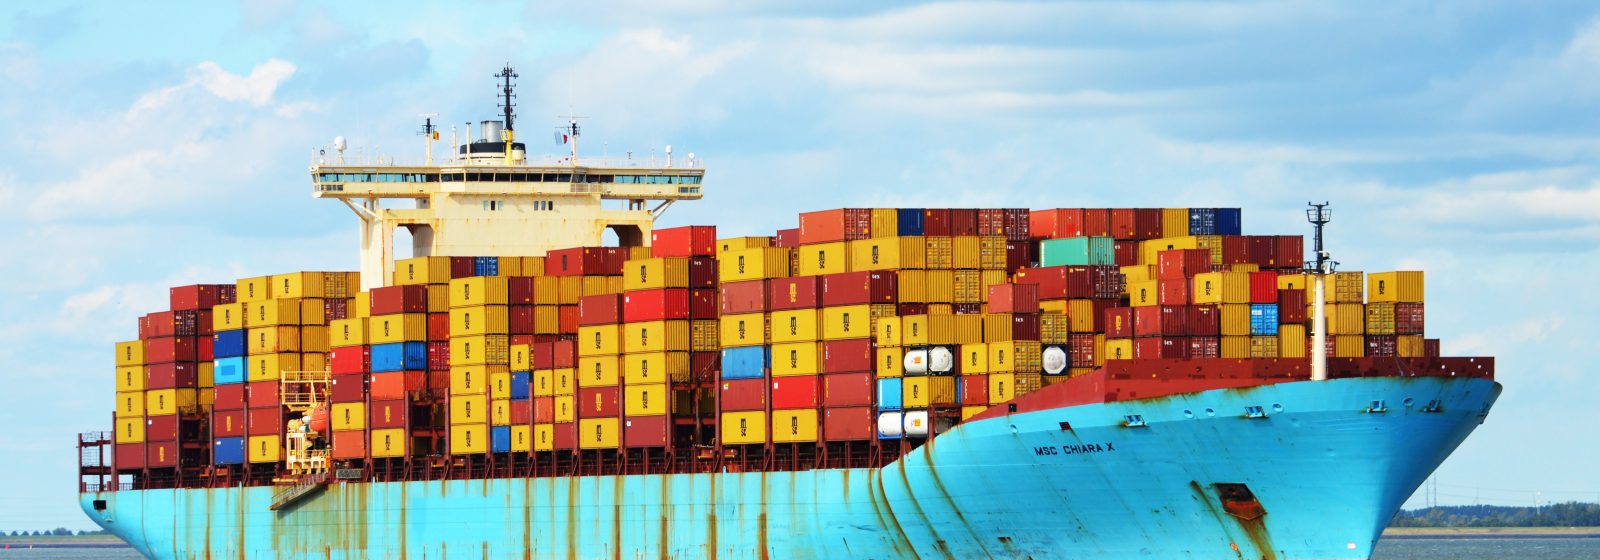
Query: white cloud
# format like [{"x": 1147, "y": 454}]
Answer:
[
  {"x": 125, "y": 183},
  {"x": 255, "y": 89}
]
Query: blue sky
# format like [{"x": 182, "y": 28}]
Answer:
[{"x": 147, "y": 147}]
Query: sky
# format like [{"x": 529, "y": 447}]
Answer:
[{"x": 150, "y": 146}]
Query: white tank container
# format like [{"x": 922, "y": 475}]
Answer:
[
  {"x": 941, "y": 360},
  {"x": 1054, "y": 360},
  {"x": 890, "y": 425},
  {"x": 916, "y": 362}
]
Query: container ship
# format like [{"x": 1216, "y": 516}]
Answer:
[{"x": 874, "y": 383}]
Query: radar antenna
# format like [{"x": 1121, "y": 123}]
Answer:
[
  {"x": 507, "y": 105},
  {"x": 429, "y": 133},
  {"x": 1319, "y": 215}
]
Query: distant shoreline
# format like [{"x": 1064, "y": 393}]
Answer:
[
  {"x": 62, "y": 541},
  {"x": 1492, "y": 532}
]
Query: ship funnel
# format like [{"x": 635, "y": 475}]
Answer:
[{"x": 491, "y": 131}]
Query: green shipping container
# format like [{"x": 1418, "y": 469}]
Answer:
[{"x": 1076, "y": 251}]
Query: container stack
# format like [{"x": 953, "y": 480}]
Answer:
[
  {"x": 164, "y": 385},
  {"x": 480, "y": 350},
  {"x": 230, "y": 415}
]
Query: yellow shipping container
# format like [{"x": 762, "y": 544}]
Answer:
[
  {"x": 268, "y": 367},
  {"x": 940, "y": 253},
  {"x": 314, "y": 339},
  {"x": 533, "y": 266},
  {"x": 655, "y": 367},
  {"x": 1054, "y": 328},
  {"x": 744, "y": 329},
  {"x": 941, "y": 286},
  {"x": 914, "y": 330},
  {"x": 1015, "y": 356},
  {"x": 130, "y": 378},
  {"x": 469, "y": 439},
  {"x": 508, "y": 266},
  {"x": 912, "y": 286},
  {"x": 954, "y": 329},
  {"x": 130, "y": 404},
  {"x": 315, "y": 361},
  {"x": 386, "y": 443},
  {"x": 130, "y": 353},
  {"x": 1144, "y": 293},
  {"x": 480, "y": 319},
  {"x": 922, "y": 391},
  {"x": 499, "y": 412},
  {"x": 1244, "y": 267},
  {"x": 438, "y": 298},
  {"x": 1380, "y": 318},
  {"x": 1080, "y": 314},
  {"x": 1054, "y": 306},
  {"x": 974, "y": 358},
  {"x": 703, "y": 336},
  {"x": 754, "y": 264},
  {"x": 313, "y": 312},
  {"x": 645, "y": 400},
  {"x": 1137, "y": 273},
  {"x": 967, "y": 412},
  {"x": 566, "y": 380},
  {"x": 823, "y": 258},
  {"x": 1409, "y": 346},
  {"x": 478, "y": 290},
  {"x": 968, "y": 287},
  {"x": 1235, "y": 319},
  {"x": 544, "y": 437},
  {"x": 547, "y": 290},
  {"x": 1395, "y": 287},
  {"x": 1345, "y": 318},
  {"x": 796, "y": 358},
  {"x": 1345, "y": 287},
  {"x": 1174, "y": 222},
  {"x": 1263, "y": 346},
  {"x": 408, "y": 327},
  {"x": 491, "y": 349},
  {"x": 521, "y": 439},
  {"x": 965, "y": 251},
  {"x": 741, "y": 243},
  {"x": 361, "y": 306},
  {"x": 521, "y": 357},
  {"x": 500, "y": 385},
  {"x": 1118, "y": 349},
  {"x": 422, "y": 270},
  {"x": 599, "y": 340},
  {"x": 649, "y": 274},
  {"x": 348, "y": 416},
  {"x": 205, "y": 394},
  {"x": 227, "y": 317},
  {"x": 891, "y": 361},
  {"x": 266, "y": 449},
  {"x": 469, "y": 409},
  {"x": 267, "y": 313},
  {"x": 1211, "y": 243},
  {"x": 599, "y": 433},
  {"x": 743, "y": 428},
  {"x": 796, "y": 325},
  {"x": 1002, "y": 387},
  {"x": 130, "y": 430},
  {"x": 546, "y": 319},
  {"x": 889, "y": 253},
  {"x": 848, "y": 321},
  {"x": 249, "y": 290},
  {"x": 885, "y": 222},
  {"x": 992, "y": 252},
  {"x": 1234, "y": 347},
  {"x": 656, "y": 336},
  {"x": 472, "y": 380},
  {"x": 296, "y": 285},
  {"x": 1221, "y": 287},
  {"x": 1150, "y": 250},
  {"x": 1349, "y": 346},
  {"x": 794, "y": 425},
  {"x": 1295, "y": 282},
  {"x": 566, "y": 409},
  {"x": 347, "y": 332},
  {"x": 888, "y": 331},
  {"x": 542, "y": 383},
  {"x": 599, "y": 371},
  {"x": 271, "y": 340},
  {"x": 1291, "y": 341}
]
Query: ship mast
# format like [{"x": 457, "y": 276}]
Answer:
[
  {"x": 506, "y": 104},
  {"x": 1319, "y": 215}
]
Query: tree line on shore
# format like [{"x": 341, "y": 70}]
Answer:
[
  {"x": 1567, "y": 514},
  {"x": 56, "y": 532}
]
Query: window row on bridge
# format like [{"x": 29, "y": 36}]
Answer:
[{"x": 507, "y": 177}]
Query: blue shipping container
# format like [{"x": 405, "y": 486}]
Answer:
[
  {"x": 486, "y": 266},
  {"x": 1230, "y": 221},
  {"x": 1263, "y": 319},
  {"x": 889, "y": 397},
  {"x": 1077, "y": 251},
  {"x": 519, "y": 385},
  {"x": 227, "y": 344},
  {"x": 500, "y": 439},
  {"x": 399, "y": 356},
  {"x": 1202, "y": 221},
  {"x": 910, "y": 222},
  {"x": 228, "y": 371},
  {"x": 747, "y": 362},
  {"x": 228, "y": 451}
]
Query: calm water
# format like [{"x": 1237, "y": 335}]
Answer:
[{"x": 1394, "y": 549}]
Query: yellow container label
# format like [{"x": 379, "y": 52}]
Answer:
[
  {"x": 850, "y": 321},
  {"x": 656, "y": 336},
  {"x": 823, "y": 258},
  {"x": 267, "y": 313},
  {"x": 296, "y": 285},
  {"x": 521, "y": 439},
  {"x": 480, "y": 319},
  {"x": 566, "y": 409},
  {"x": 650, "y": 274},
  {"x": 598, "y": 340},
  {"x": 599, "y": 433},
  {"x": 478, "y": 290},
  {"x": 348, "y": 416},
  {"x": 888, "y": 331},
  {"x": 794, "y": 425},
  {"x": 798, "y": 325},
  {"x": 914, "y": 330},
  {"x": 347, "y": 332},
  {"x": 655, "y": 367},
  {"x": 891, "y": 362},
  {"x": 542, "y": 383},
  {"x": 472, "y": 380},
  {"x": 796, "y": 358},
  {"x": 600, "y": 371},
  {"x": 544, "y": 437},
  {"x": 743, "y": 428},
  {"x": 130, "y": 404},
  {"x": 974, "y": 359},
  {"x": 744, "y": 329},
  {"x": 389, "y": 442},
  {"x": 521, "y": 357},
  {"x": 645, "y": 400},
  {"x": 250, "y": 290},
  {"x": 753, "y": 264},
  {"x": 500, "y": 385},
  {"x": 269, "y": 367},
  {"x": 130, "y": 353},
  {"x": 130, "y": 430},
  {"x": 1002, "y": 387},
  {"x": 499, "y": 412},
  {"x": 130, "y": 378},
  {"x": 566, "y": 381},
  {"x": 387, "y": 329},
  {"x": 469, "y": 439},
  {"x": 469, "y": 409},
  {"x": 265, "y": 449}
]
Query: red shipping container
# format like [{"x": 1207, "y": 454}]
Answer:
[
  {"x": 204, "y": 350},
  {"x": 936, "y": 222},
  {"x": 1014, "y": 298},
  {"x": 703, "y": 272},
  {"x": 604, "y": 309},
  {"x": 439, "y": 381},
  {"x": 1123, "y": 224},
  {"x": 1173, "y": 292},
  {"x": 521, "y": 320},
  {"x": 1205, "y": 320},
  {"x": 1096, "y": 222},
  {"x": 265, "y": 421},
  {"x": 598, "y": 402},
  {"x": 1292, "y": 308},
  {"x": 262, "y": 394},
  {"x": 1263, "y": 250},
  {"x": 128, "y": 456},
  {"x": 393, "y": 385},
  {"x": 840, "y": 356},
  {"x": 228, "y": 423},
  {"x": 799, "y": 391},
  {"x": 521, "y": 412},
  {"x": 655, "y": 305},
  {"x": 1119, "y": 322},
  {"x": 391, "y": 300},
  {"x": 1409, "y": 318},
  {"x": 966, "y": 308},
  {"x": 743, "y": 297},
  {"x": 1025, "y": 326},
  {"x": 855, "y": 288},
  {"x": 1235, "y": 249},
  {"x": 1147, "y": 223},
  {"x": 438, "y": 326},
  {"x": 1380, "y": 346},
  {"x": 963, "y": 221},
  {"x": 198, "y": 296},
  {"x": 1053, "y": 281},
  {"x": 703, "y": 303},
  {"x": 523, "y": 339},
  {"x": 172, "y": 375},
  {"x": 991, "y": 221},
  {"x": 646, "y": 431},
  {"x": 1430, "y": 347},
  {"x": 1081, "y": 350},
  {"x": 1019, "y": 255},
  {"x": 739, "y": 395},
  {"x": 580, "y": 261},
  {"x": 563, "y": 354},
  {"x": 176, "y": 323},
  {"x": 350, "y": 359},
  {"x": 1055, "y": 223},
  {"x": 847, "y": 389},
  {"x": 1264, "y": 287},
  {"x": 840, "y": 224},
  {"x": 229, "y": 397},
  {"x": 975, "y": 390},
  {"x": 1205, "y": 347},
  {"x": 519, "y": 290},
  {"x": 1016, "y": 224},
  {"x": 565, "y": 435},
  {"x": 1291, "y": 251},
  {"x": 703, "y": 366},
  {"x": 439, "y": 355},
  {"x": 161, "y": 454},
  {"x": 799, "y": 292},
  {"x": 544, "y": 355},
  {"x": 348, "y": 388},
  {"x": 461, "y": 267},
  {"x": 911, "y": 309},
  {"x": 1161, "y": 348},
  {"x": 1182, "y": 264},
  {"x": 161, "y": 428},
  {"x": 848, "y": 423},
  {"x": 786, "y": 238},
  {"x": 1161, "y": 320},
  {"x": 336, "y": 309},
  {"x": 1125, "y": 253},
  {"x": 386, "y": 414},
  {"x": 684, "y": 241},
  {"x": 351, "y": 444},
  {"x": 544, "y": 410},
  {"x": 169, "y": 349},
  {"x": 568, "y": 317}
]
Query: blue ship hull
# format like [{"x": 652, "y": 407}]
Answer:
[{"x": 1327, "y": 471}]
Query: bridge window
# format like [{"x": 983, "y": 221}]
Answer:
[{"x": 493, "y": 205}]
